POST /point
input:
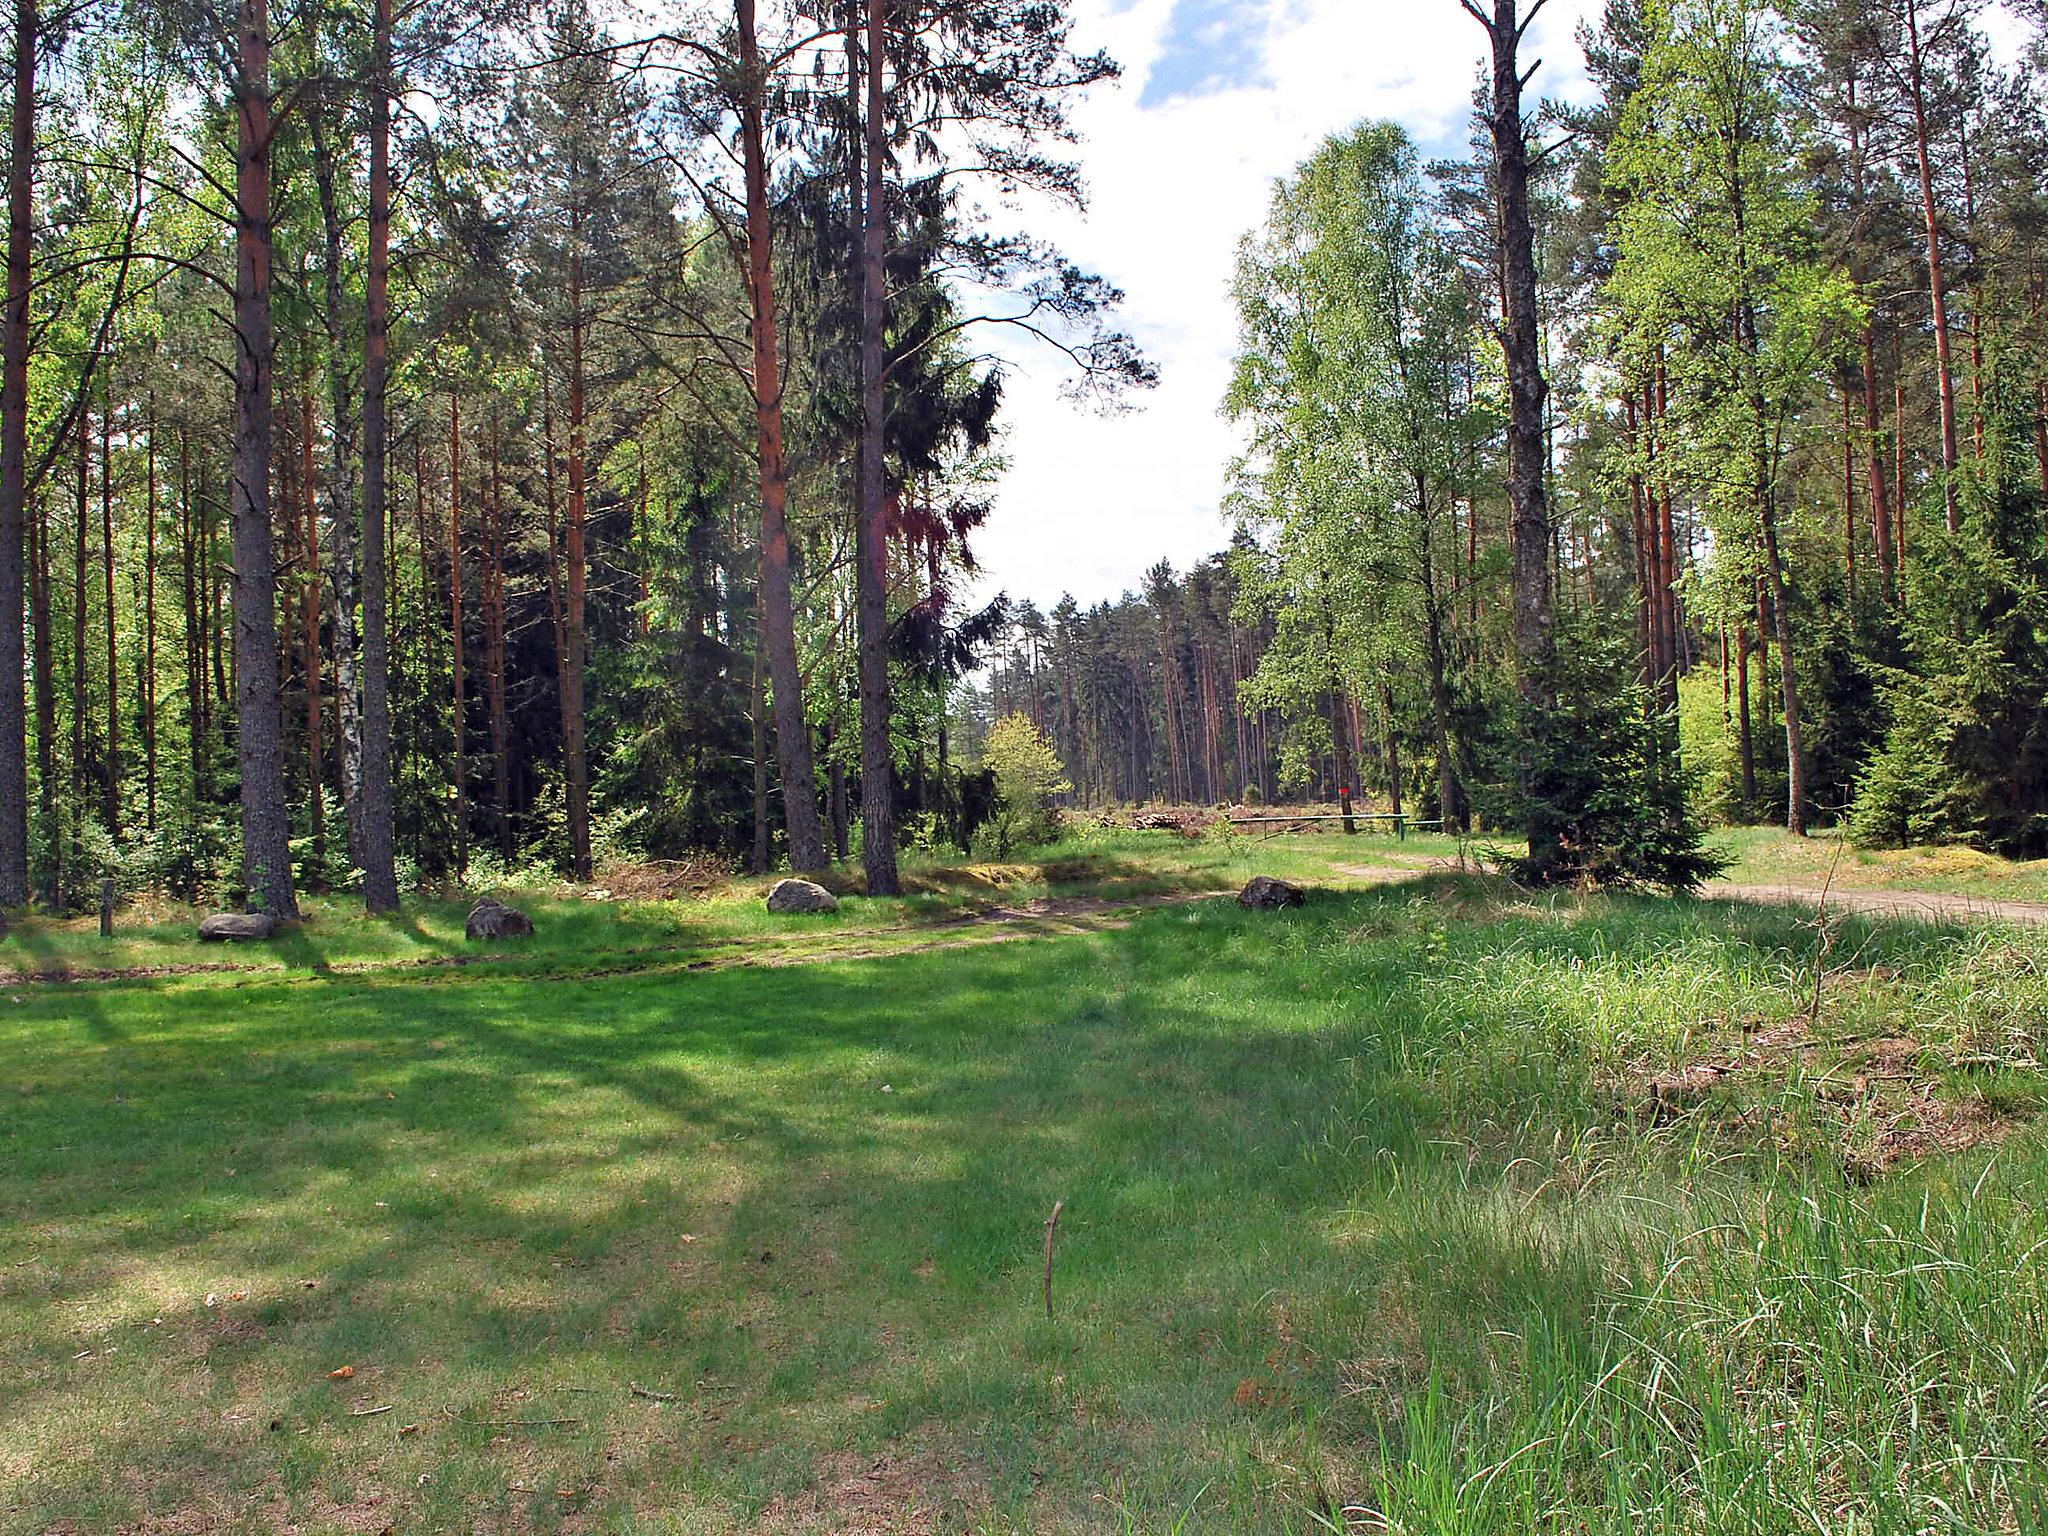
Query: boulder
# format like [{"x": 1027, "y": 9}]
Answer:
[
  {"x": 492, "y": 919},
  {"x": 801, "y": 896},
  {"x": 1265, "y": 892},
  {"x": 236, "y": 927}
]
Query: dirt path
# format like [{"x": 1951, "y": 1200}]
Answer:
[
  {"x": 1920, "y": 906},
  {"x": 1926, "y": 906},
  {"x": 1404, "y": 866}
]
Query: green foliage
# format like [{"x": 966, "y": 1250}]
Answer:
[
  {"x": 1708, "y": 748},
  {"x": 1027, "y": 775},
  {"x": 1966, "y": 755},
  {"x": 1027, "y": 769},
  {"x": 1603, "y": 763},
  {"x": 1357, "y": 376}
]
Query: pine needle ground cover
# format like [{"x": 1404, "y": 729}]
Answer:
[{"x": 1428, "y": 1207}]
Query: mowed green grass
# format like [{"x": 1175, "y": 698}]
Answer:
[{"x": 1369, "y": 1224}]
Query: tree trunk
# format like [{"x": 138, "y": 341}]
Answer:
[
  {"x": 14, "y": 349},
  {"x": 1340, "y": 738},
  {"x": 110, "y": 802},
  {"x": 309, "y": 612},
  {"x": 259, "y": 745},
  {"x": 575, "y": 635},
  {"x": 1392, "y": 747},
  {"x": 1667, "y": 566},
  {"x": 1936, "y": 288},
  {"x": 778, "y": 621},
  {"x": 195, "y": 646},
  {"x": 1880, "y": 503},
  {"x": 1788, "y": 683},
  {"x": 81, "y": 666},
  {"x": 372, "y": 818},
  {"x": 1530, "y": 516},
  {"x": 44, "y": 644},
  {"x": 1747, "y": 742},
  {"x": 871, "y": 541},
  {"x": 459, "y": 766},
  {"x": 1849, "y": 497},
  {"x": 1639, "y": 528},
  {"x": 2041, "y": 436},
  {"x": 757, "y": 860},
  {"x": 147, "y": 702},
  {"x": 494, "y": 650},
  {"x": 341, "y": 499},
  {"x": 1437, "y": 655}
]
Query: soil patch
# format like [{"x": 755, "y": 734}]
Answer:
[{"x": 910, "y": 1493}]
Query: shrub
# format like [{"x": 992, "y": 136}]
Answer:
[
  {"x": 1027, "y": 773},
  {"x": 1966, "y": 753},
  {"x": 1600, "y": 768}
]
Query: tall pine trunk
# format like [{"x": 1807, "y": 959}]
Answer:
[
  {"x": 576, "y": 770},
  {"x": 81, "y": 664},
  {"x": 1529, "y": 525},
  {"x": 1880, "y": 501},
  {"x": 871, "y": 533},
  {"x": 372, "y": 818},
  {"x": 341, "y": 496},
  {"x": 110, "y": 782},
  {"x": 148, "y": 699},
  {"x": 494, "y": 648},
  {"x": 778, "y": 621},
  {"x": 189, "y": 527},
  {"x": 44, "y": 644},
  {"x": 1747, "y": 743},
  {"x": 14, "y": 347},
  {"x": 259, "y": 726},
  {"x": 1936, "y": 284},
  {"x": 459, "y": 766},
  {"x": 309, "y": 618}
]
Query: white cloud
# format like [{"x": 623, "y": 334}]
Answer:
[{"x": 1089, "y": 501}]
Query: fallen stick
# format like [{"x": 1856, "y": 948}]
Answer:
[
  {"x": 659, "y": 1397},
  {"x": 368, "y": 1413},
  {"x": 1052, "y": 1224},
  {"x": 506, "y": 1423}
]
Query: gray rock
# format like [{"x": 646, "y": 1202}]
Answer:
[
  {"x": 1263, "y": 891},
  {"x": 236, "y": 927},
  {"x": 492, "y": 919},
  {"x": 801, "y": 896}
]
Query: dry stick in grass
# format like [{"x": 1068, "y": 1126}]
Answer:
[
  {"x": 506, "y": 1423},
  {"x": 1826, "y": 934},
  {"x": 368, "y": 1413},
  {"x": 659, "y": 1397},
  {"x": 1052, "y": 1224}
]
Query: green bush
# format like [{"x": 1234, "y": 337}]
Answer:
[
  {"x": 1599, "y": 772},
  {"x": 1965, "y": 756},
  {"x": 1028, "y": 774}
]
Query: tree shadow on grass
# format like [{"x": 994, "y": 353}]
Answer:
[{"x": 807, "y": 1205}]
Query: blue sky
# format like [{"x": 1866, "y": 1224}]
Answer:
[{"x": 1209, "y": 45}]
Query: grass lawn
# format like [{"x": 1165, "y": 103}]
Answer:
[{"x": 1427, "y": 1207}]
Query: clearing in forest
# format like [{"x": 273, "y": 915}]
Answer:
[{"x": 1431, "y": 1204}]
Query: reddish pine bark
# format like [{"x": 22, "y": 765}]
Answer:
[
  {"x": 266, "y": 823},
  {"x": 14, "y": 572}
]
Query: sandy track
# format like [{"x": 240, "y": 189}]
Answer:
[{"x": 1924, "y": 906}]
